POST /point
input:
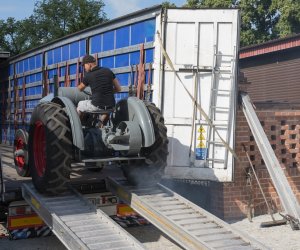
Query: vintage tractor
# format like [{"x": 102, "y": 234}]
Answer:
[{"x": 135, "y": 138}]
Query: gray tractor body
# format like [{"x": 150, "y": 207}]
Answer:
[{"x": 131, "y": 130}]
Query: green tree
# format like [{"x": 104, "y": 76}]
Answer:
[
  {"x": 289, "y": 21},
  {"x": 57, "y": 18},
  {"x": 258, "y": 21},
  {"x": 13, "y": 36},
  {"x": 50, "y": 20},
  {"x": 167, "y": 4}
]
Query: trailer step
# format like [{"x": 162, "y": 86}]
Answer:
[
  {"x": 189, "y": 225},
  {"x": 77, "y": 223}
]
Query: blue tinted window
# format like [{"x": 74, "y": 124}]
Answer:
[
  {"x": 124, "y": 79},
  {"x": 38, "y": 76},
  {"x": 27, "y": 79},
  {"x": 51, "y": 73},
  {"x": 17, "y": 68},
  {"x": 142, "y": 32},
  {"x": 137, "y": 34},
  {"x": 108, "y": 40},
  {"x": 149, "y": 27},
  {"x": 38, "y": 61},
  {"x": 57, "y": 55},
  {"x": 74, "y": 50},
  {"x": 26, "y": 65},
  {"x": 82, "y": 47},
  {"x": 32, "y": 78},
  {"x": 51, "y": 88},
  {"x": 65, "y": 52},
  {"x": 134, "y": 58},
  {"x": 149, "y": 56},
  {"x": 62, "y": 71},
  {"x": 21, "y": 67},
  {"x": 72, "y": 69},
  {"x": 95, "y": 43},
  {"x": 122, "y": 60},
  {"x": 11, "y": 69},
  {"x": 107, "y": 62},
  {"x": 50, "y": 57},
  {"x": 38, "y": 90},
  {"x": 20, "y": 81},
  {"x": 122, "y": 37}
]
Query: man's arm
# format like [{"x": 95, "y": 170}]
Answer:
[
  {"x": 81, "y": 86},
  {"x": 117, "y": 86}
]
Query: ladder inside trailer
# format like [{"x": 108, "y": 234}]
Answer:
[{"x": 186, "y": 223}]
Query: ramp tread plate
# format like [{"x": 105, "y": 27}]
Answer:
[
  {"x": 108, "y": 245},
  {"x": 228, "y": 242},
  {"x": 78, "y": 223},
  {"x": 190, "y": 225}
]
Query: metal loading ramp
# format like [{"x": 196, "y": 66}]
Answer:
[
  {"x": 189, "y": 225},
  {"x": 283, "y": 188},
  {"x": 77, "y": 223}
]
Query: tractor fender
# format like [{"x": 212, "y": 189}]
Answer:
[
  {"x": 134, "y": 109},
  {"x": 70, "y": 109}
]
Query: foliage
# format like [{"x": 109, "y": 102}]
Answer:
[
  {"x": 51, "y": 19},
  {"x": 167, "y": 4}
]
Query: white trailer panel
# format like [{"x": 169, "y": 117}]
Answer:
[{"x": 202, "y": 45}]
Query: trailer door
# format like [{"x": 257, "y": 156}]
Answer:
[{"x": 202, "y": 45}]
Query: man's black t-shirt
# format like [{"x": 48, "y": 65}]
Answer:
[{"x": 100, "y": 81}]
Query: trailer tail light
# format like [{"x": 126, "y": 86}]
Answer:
[
  {"x": 21, "y": 215},
  {"x": 21, "y": 210}
]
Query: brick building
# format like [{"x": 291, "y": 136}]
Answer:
[{"x": 270, "y": 76}]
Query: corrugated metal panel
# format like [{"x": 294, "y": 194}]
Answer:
[{"x": 274, "y": 80}]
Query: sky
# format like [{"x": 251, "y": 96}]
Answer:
[{"x": 20, "y": 9}]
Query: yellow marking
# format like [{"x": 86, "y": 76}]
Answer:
[
  {"x": 201, "y": 137},
  {"x": 201, "y": 145},
  {"x": 26, "y": 221},
  {"x": 201, "y": 129},
  {"x": 35, "y": 203},
  {"x": 125, "y": 210}
]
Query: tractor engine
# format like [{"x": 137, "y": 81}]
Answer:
[{"x": 125, "y": 139}]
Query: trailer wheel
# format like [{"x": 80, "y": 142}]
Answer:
[
  {"x": 149, "y": 171},
  {"x": 21, "y": 153},
  {"x": 50, "y": 148}
]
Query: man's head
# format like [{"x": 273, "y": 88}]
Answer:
[{"x": 88, "y": 62}]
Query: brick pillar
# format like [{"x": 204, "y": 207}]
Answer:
[{"x": 237, "y": 199}]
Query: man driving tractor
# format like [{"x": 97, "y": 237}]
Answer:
[{"x": 103, "y": 83}]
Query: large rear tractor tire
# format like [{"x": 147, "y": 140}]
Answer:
[
  {"x": 21, "y": 153},
  {"x": 50, "y": 148},
  {"x": 149, "y": 172}
]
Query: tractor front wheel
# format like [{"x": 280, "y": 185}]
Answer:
[{"x": 50, "y": 148}]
